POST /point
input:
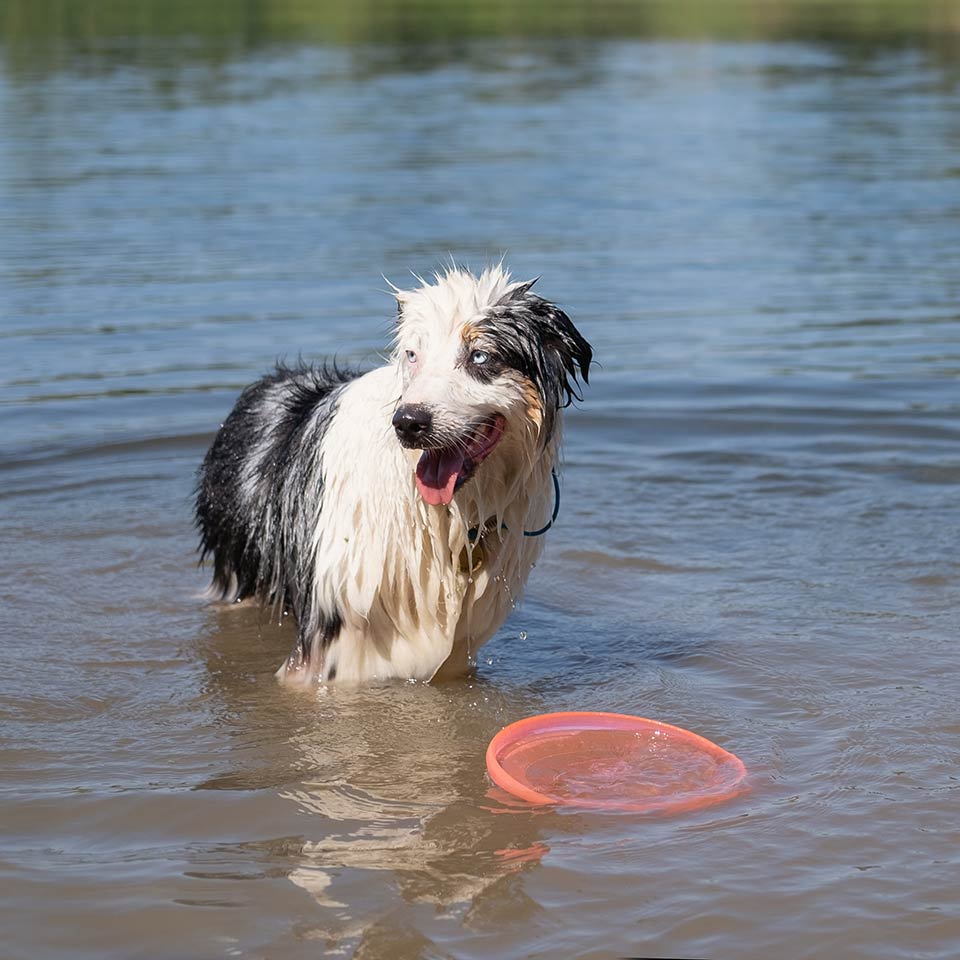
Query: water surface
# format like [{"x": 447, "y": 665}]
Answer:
[{"x": 758, "y": 538}]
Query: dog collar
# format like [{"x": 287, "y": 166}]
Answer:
[{"x": 474, "y": 532}]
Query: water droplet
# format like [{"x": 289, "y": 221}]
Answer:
[{"x": 523, "y": 634}]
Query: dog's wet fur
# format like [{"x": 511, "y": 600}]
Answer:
[{"x": 387, "y": 510}]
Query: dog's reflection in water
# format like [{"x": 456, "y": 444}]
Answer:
[
  {"x": 406, "y": 795},
  {"x": 385, "y": 790}
]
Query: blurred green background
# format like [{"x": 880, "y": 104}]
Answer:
[{"x": 37, "y": 30}]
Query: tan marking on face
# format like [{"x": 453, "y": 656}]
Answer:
[
  {"x": 470, "y": 333},
  {"x": 534, "y": 404}
]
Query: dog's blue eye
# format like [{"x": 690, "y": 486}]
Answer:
[
  {"x": 411, "y": 356},
  {"x": 478, "y": 357}
]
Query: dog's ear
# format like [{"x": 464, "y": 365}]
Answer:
[
  {"x": 571, "y": 349},
  {"x": 559, "y": 337},
  {"x": 516, "y": 293},
  {"x": 564, "y": 347},
  {"x": 401, "y": 296}
]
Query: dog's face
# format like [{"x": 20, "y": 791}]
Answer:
[{"x": 481, "y": 359}]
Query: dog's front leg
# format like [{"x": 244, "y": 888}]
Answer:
[{"x": 307, "y": 663}]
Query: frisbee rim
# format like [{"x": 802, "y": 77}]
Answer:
[{"x": 613, "y": 721}]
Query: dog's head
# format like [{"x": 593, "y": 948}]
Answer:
[{"x": 483, "y": 361}]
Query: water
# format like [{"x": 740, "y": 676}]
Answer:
[{"x": 758, "y": 538}]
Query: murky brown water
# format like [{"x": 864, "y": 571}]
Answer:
[{"x": 758, "y": 538}]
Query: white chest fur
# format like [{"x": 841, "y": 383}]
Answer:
[{"x": 413, "y": 594}]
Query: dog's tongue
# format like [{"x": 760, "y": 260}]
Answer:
[{"x": 437, "y": 473}]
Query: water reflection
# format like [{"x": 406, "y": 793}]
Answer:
[{"x": 387, "y": 784}]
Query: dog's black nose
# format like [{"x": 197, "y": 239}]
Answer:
[{"x": 413, "y": 423}]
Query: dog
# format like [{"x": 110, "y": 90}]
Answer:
[{"x": 397, "y": 513}]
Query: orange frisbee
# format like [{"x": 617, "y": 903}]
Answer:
[{"x": 612, "y": 761}]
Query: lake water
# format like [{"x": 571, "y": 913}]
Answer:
[{"x": 759, "y": 531}]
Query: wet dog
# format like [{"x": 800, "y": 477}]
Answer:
[{"x": 397, "y": 514}]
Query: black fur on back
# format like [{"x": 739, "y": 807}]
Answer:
[{"x": 259, "y": 487}]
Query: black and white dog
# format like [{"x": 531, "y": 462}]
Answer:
[{"x": 391, "y": 512}]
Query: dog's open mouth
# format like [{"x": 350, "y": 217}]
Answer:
[{"x": 441, "y": 472}]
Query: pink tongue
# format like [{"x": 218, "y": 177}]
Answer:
[{"x": 437, "y": 473}]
